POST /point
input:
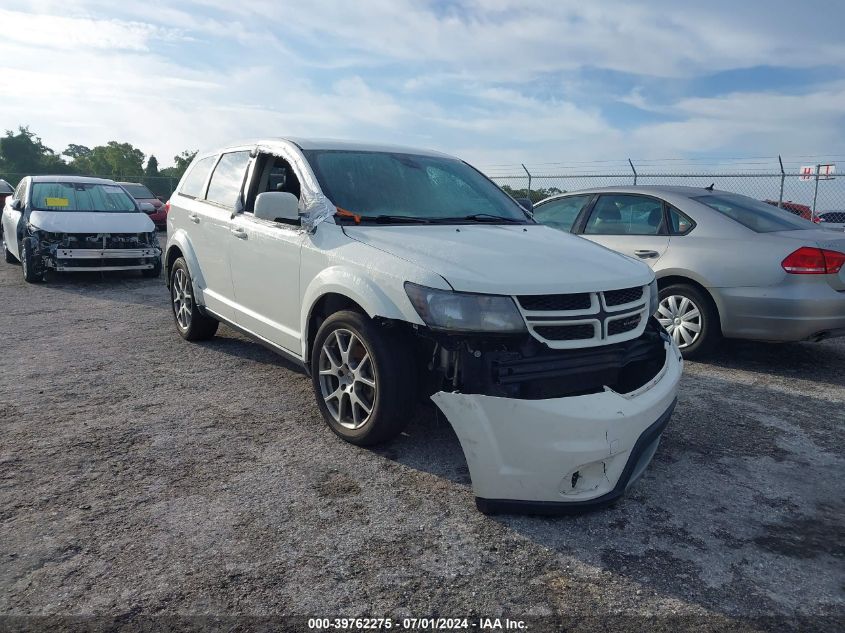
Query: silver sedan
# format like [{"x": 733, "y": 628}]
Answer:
[{"x": 727, "y": 265}]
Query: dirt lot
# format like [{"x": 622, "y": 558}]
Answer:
[{"x": 141, "y": 475}]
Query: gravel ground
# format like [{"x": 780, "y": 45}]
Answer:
[{"x": 141, "y": 475}]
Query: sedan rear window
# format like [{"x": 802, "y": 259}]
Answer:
[
  {"x": 81, "y": 196},
  {"x": 139, "y": 192},
  {"x": 753, "y": 214}
]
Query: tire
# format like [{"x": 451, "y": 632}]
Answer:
[
  {"x": 30, "y": 267},
  {"x": 683, "y": 308},
  {"x": 7, "y": 254},
  {"x": 155, "y": 271},
  {"x": 191, "y": 323},
  {"x": 366, "y": 365}
]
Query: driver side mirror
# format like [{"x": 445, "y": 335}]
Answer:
[
  {"x": 147, "y": 208},
  {"x": 525, "y": 203},
  {"x": 277, "y": 206}
]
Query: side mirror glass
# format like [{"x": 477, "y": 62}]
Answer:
[
  {"x": 277, "y": 206},
  {"x": 147, "y": 207}
]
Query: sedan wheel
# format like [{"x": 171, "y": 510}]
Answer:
[
  {"x": 681, "y": 318},
  {"x": 347, "y": 381}
]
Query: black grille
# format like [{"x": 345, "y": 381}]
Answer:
[
  {"x": 557, "y": 303},
  {"x": 623, "y": 325},
  {"x": 626, "y": 295},
  {"x": 566, "y": 332}
]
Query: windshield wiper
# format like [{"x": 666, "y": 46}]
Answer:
[
  {"x": 395, "y": 219},
  {"x": 489, "y": 217}
]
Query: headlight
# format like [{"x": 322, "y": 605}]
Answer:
[
  {"x": 654, "y": 302},
  {"x": 464, "y": 312}
]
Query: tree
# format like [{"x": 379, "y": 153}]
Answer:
[
  {"x": 75, "y": 151},
  {"x": 113, "y": 160},
  {"x": 536, "y": 194},
  {"x": 151, "y": 170},
  {"x": 181, "y": 164},
  {"x": 23, "y": 154}
]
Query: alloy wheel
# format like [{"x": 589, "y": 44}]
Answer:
[
  {"x": 183, "y": 300},
  {"x": 682, "y": 319},
  {"x": 347, "y": 380}
]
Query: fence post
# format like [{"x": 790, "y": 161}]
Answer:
[
  {"x": 630, "y": 162},
  {"x": 782, "y": 178},
  {"x": 815, "y": 195},
  {"x": 529, "y": 180}
]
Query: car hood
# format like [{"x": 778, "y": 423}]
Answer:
[
  {"x": 94, "y": 222},
  {"x": 503, "y": 259}
]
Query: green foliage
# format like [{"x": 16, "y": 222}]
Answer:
[
  {"x": 151, "y": 170},
  {"x": 120, "y": 161},
  {"x": 181, "y": 163},
  {"x": 536, "y": 194},
  {"x": 23, "y": 153},
  {"x": 75, "y": 151}
]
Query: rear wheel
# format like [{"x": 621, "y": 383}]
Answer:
[
  {"x": 191, "y": 324},
  {"x": 363, "y": 378},
  {"x": 30, "y": 266},
  {"x": 691, "y": 319}
]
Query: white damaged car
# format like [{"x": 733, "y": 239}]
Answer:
[
  {"x": 395, "y": 275},
  {"x": 75, "y": 224}
]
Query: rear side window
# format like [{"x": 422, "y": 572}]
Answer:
[
  {"x": 679, "y": 223},
  {"x": 227, "y": 179},
  {"x": 561, "y": 213},
  {"x": 195, "y": 180},
  {"x": 625, "y": 215},
  {"x": 753, "y": 214}
]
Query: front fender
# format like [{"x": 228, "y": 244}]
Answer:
[
  {"x": 376, "y": 300},
  {"x": 180, "y": 240}
]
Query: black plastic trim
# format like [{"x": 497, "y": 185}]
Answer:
[{"x": 557, "y": 508}]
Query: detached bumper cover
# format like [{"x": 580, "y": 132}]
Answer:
[{"x": 561, "y": 455}]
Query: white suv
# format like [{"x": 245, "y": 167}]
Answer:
[{"x": 394, "y": 275}]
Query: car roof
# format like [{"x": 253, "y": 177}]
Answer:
[
  {"x": 341, "y": 144},
  {"x": 80, "y": 179},
  {"x": 685, "y": 191}
]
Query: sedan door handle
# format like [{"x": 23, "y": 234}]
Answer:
[
  {"x": 194, "y": 218},
  {"x": 646, "y": 254},
  {"x": 239, "y": 233}
]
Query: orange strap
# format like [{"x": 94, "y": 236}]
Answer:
[{"x": 348, "y": 214}]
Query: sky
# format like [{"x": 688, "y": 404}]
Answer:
[{"x": 497, "y": 82}]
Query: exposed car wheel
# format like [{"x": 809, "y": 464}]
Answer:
[
  {"x": 363, "y": 377},
  {"x": 192, "y": 324},
  {"x": 691, "y": 319},
  {"x": 31, "y": 269},
  {"x": 7, "y": 254},
  {"x": 155, "y": 271}
]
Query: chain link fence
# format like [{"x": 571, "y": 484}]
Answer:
[
  {"x": 779, "y": 187},
  {"x": 161, "y": 186}
]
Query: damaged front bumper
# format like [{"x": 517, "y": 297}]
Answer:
[
  {"x": 86, "y": 259},
  {"x": 561, "y": 455}
]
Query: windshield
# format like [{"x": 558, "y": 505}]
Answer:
[
  {"x": 409, "y": 186},
  {"x": 81, "y": 196},
  {"x": 753, "y": 214},
  {"x": 139, "y": 192}
]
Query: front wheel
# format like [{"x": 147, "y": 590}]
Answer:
[
  {"x": 691, "y": 319},
  {"x": 7, "y": 254},
  {"x": 363, "y": 378},
  {"x": 29, "y": 263},
  {"x": 191, "y": 324}
]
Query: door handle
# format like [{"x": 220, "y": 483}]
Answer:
[
  {"x": 646, "y": 254},
  {"x": 239, "y": 233},
  {"x": 194, "y": 218}
]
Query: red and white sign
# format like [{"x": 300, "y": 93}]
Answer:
[{"x": 825, "y": 172}]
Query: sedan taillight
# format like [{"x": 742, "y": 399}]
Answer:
[
  {"x": 814, "y": 261},
  {"x": 167, "y": 207}
]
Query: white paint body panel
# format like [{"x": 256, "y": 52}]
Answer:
[{"x": 527, "y": 450}]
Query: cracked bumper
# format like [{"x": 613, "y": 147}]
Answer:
[{"x": 561, "y": 455}]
